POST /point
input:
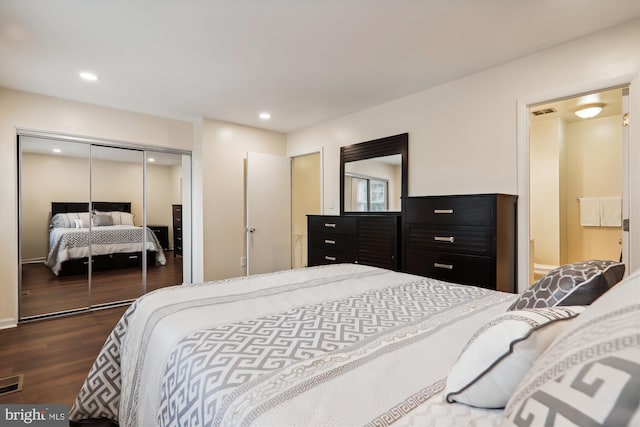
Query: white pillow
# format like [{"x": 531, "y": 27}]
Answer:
[
  {"x": 126, "y": 218},
  {"x": 78, "y": 223},
  {"x": 498, "y": 356},
  {"x": 115, "y": 215}
]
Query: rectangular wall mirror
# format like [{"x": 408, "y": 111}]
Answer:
[{"x": 373, "y": 175}]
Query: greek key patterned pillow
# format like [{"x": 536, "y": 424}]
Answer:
[
  {"x": 590, "y": 375},
  {"x": 579, "y": 283}
]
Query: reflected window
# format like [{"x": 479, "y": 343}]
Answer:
[{"x": 367, "y": 194}]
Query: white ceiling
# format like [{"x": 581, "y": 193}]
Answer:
[{"x": 303, "y": 61}]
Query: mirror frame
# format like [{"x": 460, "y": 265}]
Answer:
[{"x": 388, "y": 146}]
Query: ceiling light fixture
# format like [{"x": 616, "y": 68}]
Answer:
[
  {"x": 151, "y": 159},
  {"x": 265, "y": 116},
  {"x": 588, "y": 111},
  {"x": 90, "y": 77},
  {"x": 57, "y": 150}
]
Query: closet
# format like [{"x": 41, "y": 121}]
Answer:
[{"x": 96, "y": 222}]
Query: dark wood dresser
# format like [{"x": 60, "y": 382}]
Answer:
[
  {"x": 177, "y": 230},
  {"x": 469, "y": 239},
  {"x": 362, "y": 239}
]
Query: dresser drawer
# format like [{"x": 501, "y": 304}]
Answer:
[
  {"x": 334, "y": 224},
  {"x": 452, "y": 210},
  {"x": 468, "y": 240},
  {"x": 464, "y": 269},
  {"x": 333, "y": 242},
  {"x": 322, "y": 256}
]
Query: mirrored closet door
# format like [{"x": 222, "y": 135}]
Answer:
[
  {"x": 117, "y": 237},
  {"x": 165, "y": 178},
  {"x": 53, "y": 172},
  {"x": 98, "y": 223}
]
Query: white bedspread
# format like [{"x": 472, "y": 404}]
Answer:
[
  {"x": 341, "y": 345},
  {"x": 73, "y": 243}
]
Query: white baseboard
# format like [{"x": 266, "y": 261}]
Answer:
[{"x": 8, "y": 323}]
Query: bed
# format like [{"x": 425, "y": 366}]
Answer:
[
  {"x": 115, "y": 241},
  {"x": 334, "y": 345}
]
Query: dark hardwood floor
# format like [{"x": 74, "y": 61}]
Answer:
[{"x": 54, "y": 355}]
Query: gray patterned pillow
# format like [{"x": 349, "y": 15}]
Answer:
[
  {"x": 579, "y": 283},
  {"x": 60, "y": 221},
  {"x": 101, "y": 220},
  {"x": 590, "y": 375}
]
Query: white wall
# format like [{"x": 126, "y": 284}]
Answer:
[
  {"x": 224, "y": 151},
  {"x": 594, "y": 156},
  {"x": 463, "y": 135},
  {"x": 30, "y": 111}
]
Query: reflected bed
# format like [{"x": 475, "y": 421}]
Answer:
[{"x": 115, "y": 241}]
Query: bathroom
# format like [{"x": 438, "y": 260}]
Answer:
[{"x": 576, "y": 168}]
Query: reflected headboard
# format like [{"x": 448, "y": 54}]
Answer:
[{"x": 64, "y": 207}]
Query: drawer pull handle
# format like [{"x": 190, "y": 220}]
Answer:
[
  {"x": 443, "y": 211},
  {"x": 330, "y": 225},
  {"x": 330, "y": 242},
  {"x": 329, "y": 258},
  {"x": 445, "y": 266},
  {"x": 449, "y": 239},
  {"x": 133, "y": 256}
]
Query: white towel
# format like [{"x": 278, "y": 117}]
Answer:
[
  {"x": 589, "y": 212},
  {"x": 611, "y": 211}
]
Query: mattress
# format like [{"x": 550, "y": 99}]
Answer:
[{"x": 338, "y": 345}]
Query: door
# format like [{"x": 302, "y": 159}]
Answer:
[
  {"x": 625, "y": 180},
  {"x": 268, "y": 210},
  {"x": 52, "y": 172},
  {"x": 117, "y": 175}
]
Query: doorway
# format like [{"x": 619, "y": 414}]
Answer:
[
  {"x": 306, "y": 200},
  {"x": 576, "y": 180}
]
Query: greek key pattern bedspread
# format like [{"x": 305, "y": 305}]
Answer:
[{"x": 274, "y": 345}]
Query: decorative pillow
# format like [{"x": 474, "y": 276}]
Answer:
[
  {"x": 126, "y": 218},
  {"x": 579, "y": 283},
  {"x": 115, "y": 216},
  {"x": 499, "y": 355},
  {"x": 102, "y": 220},
  {"x": 67, "y": 220},
  {"x": 59, "y": 221},
  {"x": 590, "y": 375}
]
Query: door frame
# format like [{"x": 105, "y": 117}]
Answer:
[{"x": 522, "y": 149}]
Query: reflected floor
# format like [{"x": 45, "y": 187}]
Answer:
[{"x": 43, "y": 292}]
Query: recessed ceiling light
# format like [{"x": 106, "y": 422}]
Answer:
[
  {"x": 265, "y": 116},
  {"x": 151, "y": 159},
  {"x": 90, "y": 77},
  {"x": 57, "y": 150}
]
